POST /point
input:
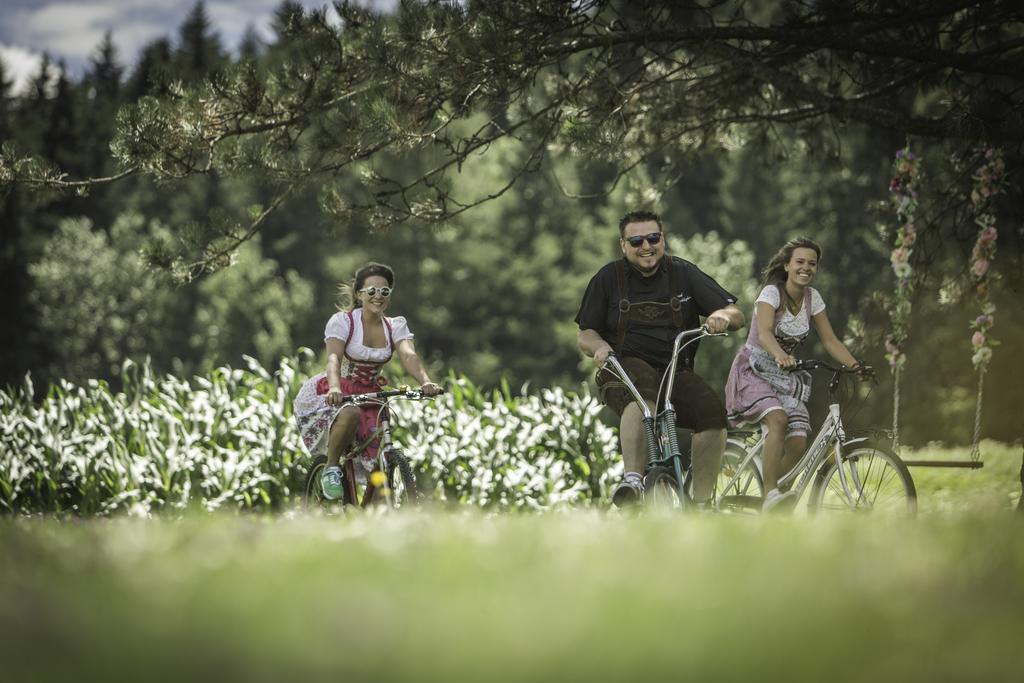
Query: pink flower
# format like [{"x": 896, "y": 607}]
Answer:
[
  {"x": 899, "y": 255},
  {"x": 981, "y": 320},
  {"x": 977, "y": 339},
  {"x": 980, "y": 267},
  {"x": 988, "y": 235},
  {"x": 890, "y": 347}
]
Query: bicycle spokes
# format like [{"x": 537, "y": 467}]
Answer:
[{"x": 868, "y": 479}]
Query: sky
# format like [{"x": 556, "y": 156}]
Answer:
[{"x": 71, "y": 29}]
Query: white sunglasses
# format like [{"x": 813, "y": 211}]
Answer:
[{"x": 372, "y": 291}]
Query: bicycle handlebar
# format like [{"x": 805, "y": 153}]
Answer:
[
  {"x": 401, "y": 392},
  {"x": 812, "y": 365},
  {"x": 702, "y": 331}
]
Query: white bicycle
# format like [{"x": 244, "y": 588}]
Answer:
[{"x": 844, "y": 472}]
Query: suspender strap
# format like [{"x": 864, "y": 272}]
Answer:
[
  {"x": 675, "y": 294},
  {"x": 620, "y": 334},
  {"x": 674, "y": 303}
]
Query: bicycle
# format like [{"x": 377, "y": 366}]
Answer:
[
  {"x": 668, "y": 469},
  {"x": 844, "y": 471},
  {"x": 392, "y": 475}
]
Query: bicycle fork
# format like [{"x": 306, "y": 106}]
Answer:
[{"x": 840, "y": 436}]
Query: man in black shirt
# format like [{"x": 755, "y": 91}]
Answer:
[{"x": 635, "y": 307}]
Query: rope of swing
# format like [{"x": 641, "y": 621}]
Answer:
[{"x": 976, "y": 444}]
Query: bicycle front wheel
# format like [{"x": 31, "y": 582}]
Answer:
[
  {"x": 739, "y": 489},
  {"x": 661, "y": 491},
  {"x": 401, "y": 480},
  {"x": 876, "y": 481}
]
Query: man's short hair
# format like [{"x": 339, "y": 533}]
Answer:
[{"x": 638, "y": 217}]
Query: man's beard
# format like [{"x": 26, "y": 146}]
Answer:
[{"x": 648, "y": 271}]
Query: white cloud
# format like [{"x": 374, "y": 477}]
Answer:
[
  {"x": 21, "y": 65},
  {"x": 72, "y": 29}
]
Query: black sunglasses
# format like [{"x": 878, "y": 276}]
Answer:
[{"x": 638, "y": 241}]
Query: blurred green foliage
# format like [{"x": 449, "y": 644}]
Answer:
[{"x": 492, "y": 292}]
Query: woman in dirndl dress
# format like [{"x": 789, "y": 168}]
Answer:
[
  {"x": 760, "y": 389},
  {"x": 360, "y": 340}
]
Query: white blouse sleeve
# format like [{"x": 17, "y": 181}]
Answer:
[
  {"x": 817, "y": 303},
  {"x": 769, "y": 295},
  {"x": 400, "y": 329},
  {"x": 338, "y": 327}
]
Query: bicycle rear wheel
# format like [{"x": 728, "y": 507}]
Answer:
[
  {"x": 739, "y": 489},
  {"x": 661, "y": 490},
  {"x": 877, "y": 481}
]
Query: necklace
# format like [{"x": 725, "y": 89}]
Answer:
[{"x": 792, "y": 304}]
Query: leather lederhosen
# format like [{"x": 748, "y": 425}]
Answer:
[{"x": 660, "y": 313}]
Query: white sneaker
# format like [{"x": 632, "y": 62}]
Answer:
[
  {"x": 773, "y": 499},
  {"x": 630, "y": 491}
]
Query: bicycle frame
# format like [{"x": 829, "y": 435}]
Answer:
[
  {"x": 383, "y": 432},
  {"x": 660, "y": 428}
]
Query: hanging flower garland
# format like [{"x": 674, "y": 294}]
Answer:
[
  {"x": 903, "y": 196},
  {"x": 989, "y": 181}
]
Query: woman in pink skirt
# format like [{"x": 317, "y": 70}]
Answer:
[
  {"x": 360, "y": 340},
  {"x": 760, "y": 389}
]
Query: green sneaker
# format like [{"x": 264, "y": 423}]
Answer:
[{"x": 330, "y": 482}]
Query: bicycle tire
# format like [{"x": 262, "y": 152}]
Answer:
[
  {"x": 661, "y": 490},
  {"x": 402, "y": 480},
  {"x": 886, "y": 483},
  {"x": 746, "y": 495},
  {"x": 313, "y": 493}
]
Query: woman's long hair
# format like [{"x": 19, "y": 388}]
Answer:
[
  {"x": 347, "y": 299},
  {"x": 775, "y": 271}
]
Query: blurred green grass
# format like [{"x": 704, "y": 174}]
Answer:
[
  {"x": 951, "y": 491},
  {"x": 566, "y": 596}
]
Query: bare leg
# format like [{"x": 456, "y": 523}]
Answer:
[
  {"x": 632, "y": 439},
  {"x": 340, "y": 436},
  {"x": 795, "y": 447},
  {"x": 708, "y": 447},
  {"x": 771, "y": 452}
]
